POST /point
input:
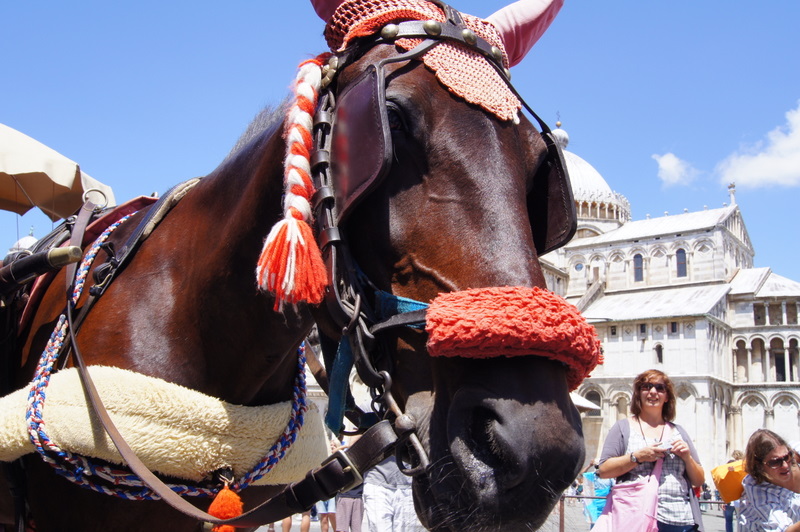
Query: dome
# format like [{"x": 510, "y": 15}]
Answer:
[
  {"x": 587, "y": 183},
  {"x": 594, "y": 199},
  {"x": 26, "y": 242},
  {"x": 561, "y": 137}
]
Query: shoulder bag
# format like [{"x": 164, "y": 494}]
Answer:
[{"x": 631, "y": 506}]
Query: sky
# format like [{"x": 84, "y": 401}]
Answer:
[{"x": 669, "y": 101}]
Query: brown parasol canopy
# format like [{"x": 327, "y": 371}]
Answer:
[{"x": 33, "y": 175}]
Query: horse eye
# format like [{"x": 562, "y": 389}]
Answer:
[{"x": 394, "y": 118}]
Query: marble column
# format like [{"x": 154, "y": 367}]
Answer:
[
  {"x": 737, "y": 442},
  {"x": 767, "y": 364}
]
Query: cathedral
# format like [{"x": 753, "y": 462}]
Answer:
[{"x": 679, "y": 293}]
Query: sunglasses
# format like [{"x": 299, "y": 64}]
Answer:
[
  {"x": 660, "y": 388},
  {"x": 775, "y": 463}
]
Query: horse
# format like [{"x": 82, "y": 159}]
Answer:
[{"x": 462, "y": 203}]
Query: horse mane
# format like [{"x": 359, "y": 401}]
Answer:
[{"x": 266, "y": 119}]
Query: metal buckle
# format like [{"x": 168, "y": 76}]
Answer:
[{"x": 347, "y": 467}]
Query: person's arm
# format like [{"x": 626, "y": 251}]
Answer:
[
  {"x": 615, "y": 461},
  {"x": 687, "y": 452},
  {"x": 522, "y": 23},
  {"x": 611, "y": 463},
  {"x": 619, "y": 465},
  {"x": 693, "y": 469}
]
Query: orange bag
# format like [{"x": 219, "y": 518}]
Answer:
[{"x": 728, "y": 479}]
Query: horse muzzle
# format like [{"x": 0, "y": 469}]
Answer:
[
  {"x": 504, "y": 436},
  {"x": 503, "y": 446}
]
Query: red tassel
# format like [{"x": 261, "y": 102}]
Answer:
[
  {"x": 291, "y": 264},
  {"x": 225, "y": 505}
]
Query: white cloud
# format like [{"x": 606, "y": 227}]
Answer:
[
  {"x": 775, "y": 161},
  {"x": 674, "y": 171}
]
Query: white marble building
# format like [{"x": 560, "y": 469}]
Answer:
[{"x": 679, "y": 293}]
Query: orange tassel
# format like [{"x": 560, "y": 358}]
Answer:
[
  {"x": 225, "y": 505},
  {"x": 291, "y": 264}
]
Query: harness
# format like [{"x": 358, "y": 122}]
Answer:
[
  {"x": 358, "y": 117},
  {"x": 362, "y": 312}
]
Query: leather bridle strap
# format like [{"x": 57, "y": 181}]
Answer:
[{"x": 340, "y": 472}]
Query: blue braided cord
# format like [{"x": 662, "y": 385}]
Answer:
[
  {"x": 79, "y": 469},
  {"x": 289, "y": 436}
]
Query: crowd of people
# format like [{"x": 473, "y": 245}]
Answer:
[
  {"x": 634, "y": 447},
  {"x": 649, "y": 440}
]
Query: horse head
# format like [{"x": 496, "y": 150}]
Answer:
[
  {"x": 430, "y": 190},
  {"x": 429, "y": 194}
]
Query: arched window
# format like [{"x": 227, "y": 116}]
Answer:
[
  {"x": 660, "y": 354},
  {"x": 680, "y": 259},
  {"x": 594, "y": 397},
  {"x": 638, "y": 268}
]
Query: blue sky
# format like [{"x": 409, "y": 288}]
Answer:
[{"x": 670, "y": 101}]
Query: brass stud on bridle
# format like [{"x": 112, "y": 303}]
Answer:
[
  {"x": 497, "y": 53},
  {"x": 432, "y": 27},
  {"x": 469, "y": 36},
  {"x": 390, "y": 31}
]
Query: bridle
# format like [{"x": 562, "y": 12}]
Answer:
[{"x": 355, "y": 305}]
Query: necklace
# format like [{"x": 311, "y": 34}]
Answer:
[{"x": 642, "y": 431}]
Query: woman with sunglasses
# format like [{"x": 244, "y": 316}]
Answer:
[
  {"x": 635, "y": 444},
  {"x": 771, "y": 499}
]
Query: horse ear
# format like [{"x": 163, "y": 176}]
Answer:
[
  {"x": 522, "y": 23},
  {"x": 325, "y": 8}
]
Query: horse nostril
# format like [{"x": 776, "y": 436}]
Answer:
[
  {"x": 483, "y": 437},
  {"x": 498, "y": 458}
]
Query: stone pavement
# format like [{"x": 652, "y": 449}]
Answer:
[{"x": 574, "y": 520}]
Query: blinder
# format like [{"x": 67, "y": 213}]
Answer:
[
  {"x": 361, "y": 148},
  {"x": 361, "y": 156},
  {"x": 551, "y": 206}
]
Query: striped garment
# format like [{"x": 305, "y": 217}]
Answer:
[{"x": 766, "y": 507}]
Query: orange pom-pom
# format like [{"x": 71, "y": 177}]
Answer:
[{"x": 225, "y": 505}]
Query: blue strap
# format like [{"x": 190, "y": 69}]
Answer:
[
  {"x": 338, "y": 386},
  {"x": 391, "y": 305},
  {"x": 339, "y": 398}
]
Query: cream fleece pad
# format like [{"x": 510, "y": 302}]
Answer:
[{"x": 174, "y": 430}]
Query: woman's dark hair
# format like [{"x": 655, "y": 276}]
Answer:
[
  {"x": 761, "y": 443},
  {"x": 653, "y": 375}
]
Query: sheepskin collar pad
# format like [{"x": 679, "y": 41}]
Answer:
[{"x": 175, "y": 431}]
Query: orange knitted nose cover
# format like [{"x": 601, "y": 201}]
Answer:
[{"x": 513, "y": 321}]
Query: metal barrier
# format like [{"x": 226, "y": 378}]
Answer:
[{"x": 569, "y": 516}]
